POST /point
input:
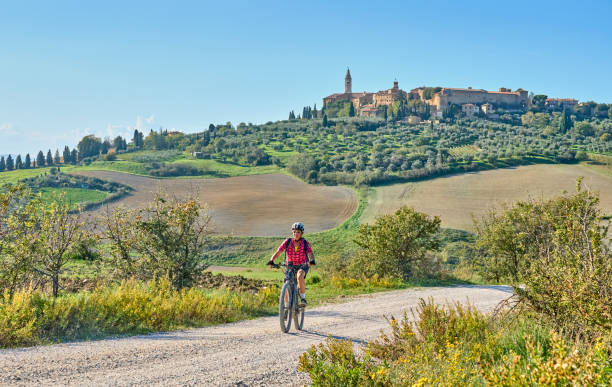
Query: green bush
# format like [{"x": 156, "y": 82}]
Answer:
[
  {"x": 398, "y": 245},
  {"x": 556, "y": 253}
]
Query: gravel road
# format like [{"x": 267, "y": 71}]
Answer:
[{"x": 252, "y": 353}]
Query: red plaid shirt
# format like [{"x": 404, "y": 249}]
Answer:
[{"x": 297, "y": 258}]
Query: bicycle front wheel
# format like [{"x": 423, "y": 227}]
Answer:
[
  {"x": 285, "y": 307},
  {"x": 298, "y": 313}
]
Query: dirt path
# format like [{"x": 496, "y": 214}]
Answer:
[
  {"x": 258, "y": 205},
  {"x": 245, "y": 353}
]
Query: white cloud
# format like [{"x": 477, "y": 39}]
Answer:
[
  {"x": 7, "y": 129},
  {"x": 150, "y": 119}
]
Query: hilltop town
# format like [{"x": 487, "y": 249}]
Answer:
[{"x": 438, "y": 100}]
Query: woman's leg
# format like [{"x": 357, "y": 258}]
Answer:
[{"x": 301, "y": 283}]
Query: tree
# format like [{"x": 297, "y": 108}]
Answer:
[
  {"x": 2, "y": 164},
  {"x": 538, "y": 103},
  {"x": 9, "y": 163},
  {"x": 119, "y": 230},
  {"x": 28, "y": 161},
  {"x": 18, "y": 162},
  {"x": 301, "y": 164},
  {"x": 56, "y": 158},
  {"x": 397, "y": 245},
  {"x": 58, "y": 232},
  {"x": 584, "y": 128},
  {"x": 74, "y": 156},
  {"x": 17, "y": 236},
  {"x": 66, "y": 155},
  {"x": 172, "y": 237},
  {"x": 325, "y": 120},
  {"x": 89, "y": 146},
  {"x": 40, "y": 159},
  {"x": 49, "y": 158},
  {"x": 351, "y": 111},
  {"x": 119, "y": 143},
  {"x": 138, "y": 139},
  {"x": 106, "y": 145},
  {"x": 291, "y": 115},
  {"x": 566, "y": 121}
]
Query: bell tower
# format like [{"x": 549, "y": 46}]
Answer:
[{"x": 348, "y": 88}]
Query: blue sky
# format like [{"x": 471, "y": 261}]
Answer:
[{"x": 70, "y": 68}]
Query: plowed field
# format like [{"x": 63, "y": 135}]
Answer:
[
  {"x": 258, "y": 205},
  {"x": 456, "y": 198}
]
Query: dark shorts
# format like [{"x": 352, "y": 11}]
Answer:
[{"x": 296, "y": 268}]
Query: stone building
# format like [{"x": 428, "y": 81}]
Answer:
[
  {"x": 469, "y": 109},
  {"x": 503, "y": 98},
  {"x": 366, "y": 104},
  {"x": 560, "y": 103}
]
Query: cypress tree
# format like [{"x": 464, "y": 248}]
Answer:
[
  {"x": 28, "y": 162},
  {"x": 9, "y": 163},
  {"x": 74, "y": 156},
  {"x": 18, "y": 162},
  {"x": 105, "y": 146},
  {"x": 49, "y": 158},
  {"x": 2, "y": 164},
  {"x": 56, "y": 158},
  {"x": 566, "y": 121},
  {"x": 352, "y": 110},
  {"x": 40, "y": 159},
  {"x": 325, "y": 120},
  {"x": 66, "y": 155}
]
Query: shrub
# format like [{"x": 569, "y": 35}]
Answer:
[
  {"x": 132, "y": 307},
  {"x": 169, "y": 170},
  {"x": 557, "y": 255},
  {"x": 396, "y": 245},
  {"x": 17, "y": 320},
  {"x": 458, "y": 345}
]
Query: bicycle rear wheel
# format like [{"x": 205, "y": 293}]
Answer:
[
  {"x": 298, "y": 313},
  {"x": 285, "y": 310}
]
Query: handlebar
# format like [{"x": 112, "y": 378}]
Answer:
[{"x": 278, "y": 266}]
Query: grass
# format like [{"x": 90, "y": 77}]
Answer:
[
  {"x": 74, "y": 196},
  {"x": 128, "y": 308},
  {"x": 215, "y": 168},
  {"x": 14, "y": 176}
]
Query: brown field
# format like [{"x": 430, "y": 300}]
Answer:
[
  {"x": 456, "y": 198},
  {"x": 258, "y": 205}
]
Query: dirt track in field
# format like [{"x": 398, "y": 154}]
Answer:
[
  {"x": 258, "y": 205},
  {"x": 456, "y": 198},
  {"x": 248, "y": 353}
]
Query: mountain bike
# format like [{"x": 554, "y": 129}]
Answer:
[{"x": 289, "y": 303}]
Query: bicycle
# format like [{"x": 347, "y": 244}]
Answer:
[{"x": 291, "y": 307}]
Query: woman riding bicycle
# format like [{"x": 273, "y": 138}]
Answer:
[{"x": 299, "y": 256}]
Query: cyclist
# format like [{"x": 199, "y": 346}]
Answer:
[{"x": 299, "y": 257}]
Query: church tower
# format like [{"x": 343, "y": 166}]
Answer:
[{"x": 348, "y": 88}]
